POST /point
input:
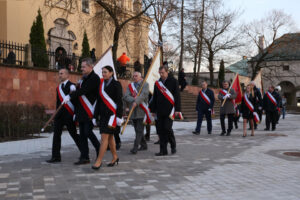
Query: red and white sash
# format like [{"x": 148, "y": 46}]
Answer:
[
  {"x": 204, "y": 97},
  {"x": 69, "y": 106},
  {"x": 169, "y": 97},
  {"x": 113, "y": 120},
  {"x": 88, "y": 107},
  {"x": 251, "y": 108},
  {"x": 207, "y": 100},
  {"x": 148, "y": 119},
  {"x": 272, "y": 99}
]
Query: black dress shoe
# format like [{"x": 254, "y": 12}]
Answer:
[
  {"x": 157, "y": 142},
  {"x": 209, "y": 132},
  {"x": 228, "y": 134},
  {"x": 196, "y": 132},
  {"x": 96, "y": 168},
  {"x": 266, "y": 129},
  {"x": 113, "y": 163},
  {"x": 161, "y": 154},
  {"x": 133, "y": 151},
  {"x": 223, "y": 133},
  {"x": 173, "y": 151},
  {"x": 82, "y": 162},
  {"x": 53, "y": 160},
  {"x": 143, "y": 148},
  {"x": 273, "y": 129}
]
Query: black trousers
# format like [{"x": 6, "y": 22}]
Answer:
[
  {"x": 230, "y": 122},
  {"x": 235, "y": 120},
  {"x": 271, "y": 117},
  {"x": 58, "y": 127},
  {"x": 207, "y": 114},
  {"x": 117, "y": 138},
  {"x": 165, "y": 132},
  {"x": 86, "y": 131}
]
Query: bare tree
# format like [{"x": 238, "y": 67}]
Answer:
[
  {"x": 162, "y": 11},
  {"x": 264, "y": 32},
  {"x": 181, "y": 35},
  {"x": 219, "y": 34},
  {"x": 121, "y": 17}
]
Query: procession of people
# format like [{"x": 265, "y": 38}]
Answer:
[{"x": 96, "y": 101}]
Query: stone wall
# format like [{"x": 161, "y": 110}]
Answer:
[{"x": 31, "y": 86}]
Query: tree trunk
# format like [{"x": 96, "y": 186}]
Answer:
[
  {"x": 201, "y": 37},
  {"x": 196, "y": 59},
  {"x": 181, "y": 38},
  {"x": 211, "y": 68},
  {"x": 161, "y": 47},
  {"x": 115, "y": 44}
]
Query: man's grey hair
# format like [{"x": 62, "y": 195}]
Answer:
[
  {"x": 252, "y": 83},
  {"x": 139, "y": 73},
  {"x": 88, "y": 61}
]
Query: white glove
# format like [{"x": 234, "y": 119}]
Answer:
[
  {"x": 74, "y": 118},
  {"x": 66, "y": 99},
  {"x": 94, "y": 122},
  {"x": 259, "y": 108},
  {"x": 227, "y": 96},
  {"x": 209, "y": 109},
  {"x": 72, "y": 88}
]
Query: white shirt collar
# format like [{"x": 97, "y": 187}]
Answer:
[{"x": 65, "y": 82}]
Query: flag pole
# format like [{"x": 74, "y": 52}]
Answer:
[
  {"x": 52, "y": 117},
  {"x": 149, "y": 70},
  {"x": 229, "y": 89}
]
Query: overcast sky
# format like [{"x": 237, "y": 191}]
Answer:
[{"x": 256, "y": 9}]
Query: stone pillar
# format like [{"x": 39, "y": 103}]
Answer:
[{"x": 28, "y": 60}]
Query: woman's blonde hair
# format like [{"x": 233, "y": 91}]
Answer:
[{"x": 251, "y": 89}]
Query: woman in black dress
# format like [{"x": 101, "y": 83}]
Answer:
[
  {"x": 248, "y": 106},
  {"x": 110, "y": 109}
]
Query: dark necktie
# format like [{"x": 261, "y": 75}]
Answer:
[{"x": 63, "y": 86}]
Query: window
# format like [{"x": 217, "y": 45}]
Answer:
[
  {"x": 85, "y": 6},
  {"x": 286, "y": 67}
]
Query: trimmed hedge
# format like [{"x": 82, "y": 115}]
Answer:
[{"x": 20, "y": 121}]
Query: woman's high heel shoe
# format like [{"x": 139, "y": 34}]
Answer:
[
  {"x": 96, "y": 168},
  {"x": 113, "y": 163}
]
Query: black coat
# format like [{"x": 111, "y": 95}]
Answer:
[
  {"x": 202, "y": 105},
  {"x": 244, "y": 109},
  {"x": 115, "y": 92},
  {"x": 63, "y": 113},
  {"x": 89, "y": 88},
  {"x": 268, "y": 105},
  {"x": 258, "y": 96},
  {"x": 159, "y": 104}
]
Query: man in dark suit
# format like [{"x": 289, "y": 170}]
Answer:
[
  {"x": 64, "y": 116},
  {"x": 271, "y": 107},
  {"x": 165, "y": 104},
  {"x": 86, "y": 97},
  {"x": 205, "y": 105}
]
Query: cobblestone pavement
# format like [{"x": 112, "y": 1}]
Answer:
[{"x": 205, "y": 167}]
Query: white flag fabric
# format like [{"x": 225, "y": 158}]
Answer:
[
  {"x": 106, "y": 59},
  {"x": 258, "y": 81},
  {"x": 153, "y": 74}
]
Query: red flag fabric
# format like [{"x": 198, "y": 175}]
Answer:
[{"x": 237, "y": 88}]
